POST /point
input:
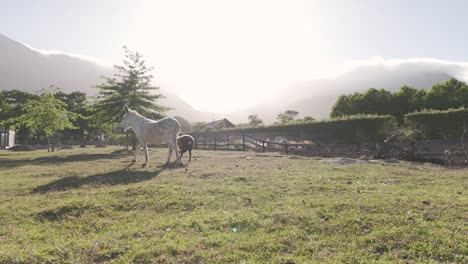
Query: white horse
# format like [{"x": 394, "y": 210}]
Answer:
[{"x": 150, "y": 131}]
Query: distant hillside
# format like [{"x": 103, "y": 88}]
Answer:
[
  {"x": 316, "y": 97},
  {"x": 26, "y": 69}
]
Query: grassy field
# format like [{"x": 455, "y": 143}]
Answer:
[{"x": 89, "y": 205}]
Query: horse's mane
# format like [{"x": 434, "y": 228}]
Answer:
[{"x": 139, "y": 115}]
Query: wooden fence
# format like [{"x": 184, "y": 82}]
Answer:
[
  {"x": 219, "y": 142},
  {"x": 431, "y": 149},
  {"x": 249, "y": 142},
  {"x": 307, "y": 149}
]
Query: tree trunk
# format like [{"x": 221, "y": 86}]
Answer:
[
  {"x": 48, "y": 144},
  {"x": 83, "y": 140}
]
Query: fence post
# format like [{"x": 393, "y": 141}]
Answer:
[
  {"x": 263, "y": 146},
  {"x": 243, "y": 142},
  {"x": 215, "y": 143},
  {"x": 286, "y": 148},
  {"x": 227, "y": 142},
  {"x": 204, "y": 141}
]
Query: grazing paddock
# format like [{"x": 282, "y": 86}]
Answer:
[{"x": 92, "y": 205}]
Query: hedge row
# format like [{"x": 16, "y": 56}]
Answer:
[
  {"x": 351, "y": 129},
  {"x": 437, "y": 124},
  {"x": 434, "y": 124}
]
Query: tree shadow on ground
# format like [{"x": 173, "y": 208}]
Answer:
[
  {"x": 109, "y": 178},
  {"x": 55, "y": 159}
]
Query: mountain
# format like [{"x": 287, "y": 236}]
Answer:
[
  {"x": 316, "y": 97},
  {"x": 26, "y": 69},
  {"x": 29, "y": 70}
]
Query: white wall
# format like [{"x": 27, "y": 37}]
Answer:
[{"x": 11, "y": 140}]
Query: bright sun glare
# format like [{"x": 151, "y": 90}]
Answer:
[{"x": 208, "y": 51}]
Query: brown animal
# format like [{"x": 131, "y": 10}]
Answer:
[{"x": 185, "y": 143}]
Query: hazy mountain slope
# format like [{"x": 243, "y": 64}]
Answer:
[
  {"x": 26, "y": 69},
  {"x": 357, "y": 81},
  {"x": 316, "y": 97},
  {"x": 29, "y": 70}
]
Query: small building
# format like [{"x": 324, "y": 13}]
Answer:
[
  {"x": 7, "y": 139},
  {"x": 220, "y": 124}
]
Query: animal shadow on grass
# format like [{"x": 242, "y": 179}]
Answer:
[
  {"x": 109, "y": 178},
  {"x": 5, "y": 163}
]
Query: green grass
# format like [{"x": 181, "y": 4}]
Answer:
[{"x": 88, "y": 205}]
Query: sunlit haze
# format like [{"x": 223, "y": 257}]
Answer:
[
  {"x": 223, "y": 55},
  {"x": 226, "y": 55}
]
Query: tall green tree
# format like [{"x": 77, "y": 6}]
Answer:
[
  {"x": 254, "y": 120},
  {"x": 47, "y": 114},
  {"x": 131, "y": 85}
]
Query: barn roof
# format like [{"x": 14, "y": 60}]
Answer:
[{"x": 222, "y": 123}]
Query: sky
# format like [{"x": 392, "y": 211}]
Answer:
[{"x": 208, "y": 50}]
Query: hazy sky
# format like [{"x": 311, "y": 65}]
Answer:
[{"x": 222, "y": 55}]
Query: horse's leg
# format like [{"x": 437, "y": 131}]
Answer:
[
  {"x": 181, "y": 153},
  {"x": 177, "y": 155},
  {"x": 146, "y": 154},
  {"x": 137, "y": 152},
  {"x": 190, "y": 155},
  {"x": 169, "y": 156}
]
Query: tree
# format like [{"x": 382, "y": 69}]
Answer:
[
  {"x": 254, "y": 120},
  {"x": 308, "y": 119},
  {"x": 450, "y": 94},
  {"x": 407, "y": 100},
  {"x": 130, "y": 86},
  {"x": 442, "y": 96},
  {"x": 381, "y": 102},
  {"x": 375, "y": 101},
  {"x": 287, "y": 116},
  {"x": 47, "y": 114},
  {"x": 184, "y": 123},
  {"x": 343, "y": 106},
  {"x": 12, "y": 104},
  {"x": 199, "y": 126},
  {"x": 85, "y": 124},
  {"x": 4, "y": 110}
]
